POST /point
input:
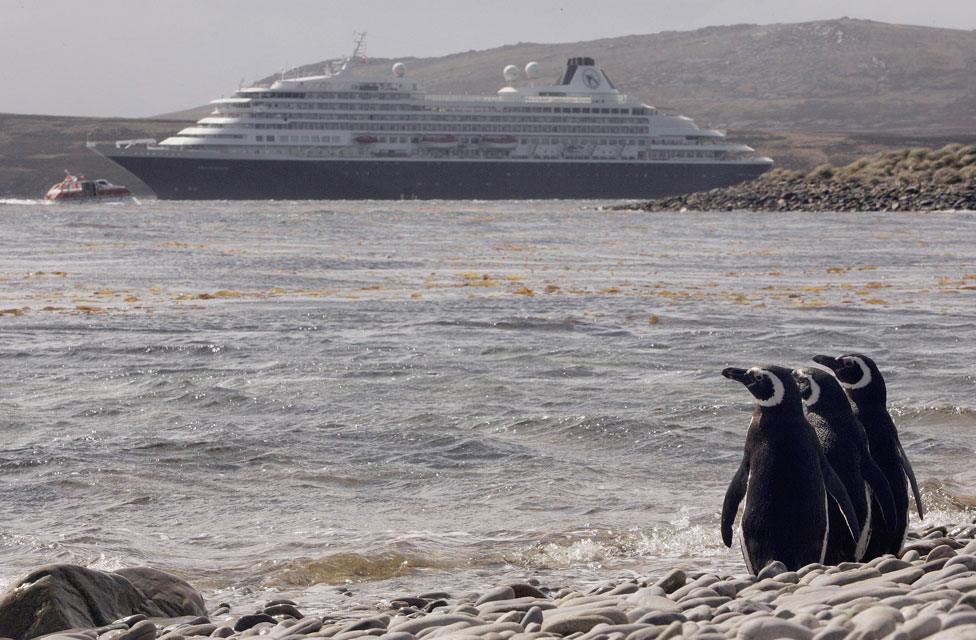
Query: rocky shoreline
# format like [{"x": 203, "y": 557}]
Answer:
[
  {"x": 929, "y": 592},
  {"x": 904, "y": 180}
]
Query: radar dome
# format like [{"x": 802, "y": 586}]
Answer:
[
  {"x": 532, "y": 70},
  {"x": 510, "y": 72},
  {"x": 399, "y": 69}
]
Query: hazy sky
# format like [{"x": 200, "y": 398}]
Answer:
[{"x": 144, "y": 57}]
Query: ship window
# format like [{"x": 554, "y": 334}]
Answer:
[
  {"x": 270, "y": 138},
  {"x": 259, "y": 138}
]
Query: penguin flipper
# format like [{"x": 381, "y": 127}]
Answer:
[
  {"x": 733, "y": 496},
  {"x": 880, "y": 489},
  {"x": 836, "y": 490},
  {"x": 911, "y": 479}
]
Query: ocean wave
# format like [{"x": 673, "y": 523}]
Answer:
[{"x": 339, "y": 568}]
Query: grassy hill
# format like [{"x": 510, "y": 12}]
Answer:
[
  {"x": 35, "y": 150},
  {"x": 834, "y": 75}
]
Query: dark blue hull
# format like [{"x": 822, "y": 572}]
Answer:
[{"x": 236, "y": 179}]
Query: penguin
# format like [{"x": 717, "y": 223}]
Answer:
[
  {"x": 845, "y": 444},
  {"x": 865, "y": 387},
  {"x": 784, "y": 477}
]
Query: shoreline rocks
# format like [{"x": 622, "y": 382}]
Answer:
[
  {"x": 904, "y": 180},
  {"x": 63, "y": 596},
  {"x": 928, "y": 592}
]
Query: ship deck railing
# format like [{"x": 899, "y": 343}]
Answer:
[{"x": 516, "y": 98}]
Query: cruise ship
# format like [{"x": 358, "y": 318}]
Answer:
[{"x": 339, "y": 135}]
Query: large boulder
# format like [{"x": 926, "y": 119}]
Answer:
[
  {"x": 173, "y": 596},
  {"x": 63, "y": 596}
]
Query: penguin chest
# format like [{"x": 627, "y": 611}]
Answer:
[{"x": 778, "y": 521}]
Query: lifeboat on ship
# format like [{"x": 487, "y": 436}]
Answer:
[
  {"x": 77, "y": 188},
  {"x": 501, "y": 143},
  {"x": 439, "y": 141},
  {"x": 366, "y": 139}
]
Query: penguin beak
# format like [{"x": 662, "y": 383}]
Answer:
[
  {"x": 739, "y": 375},
  {"x": 831, "y": 363}
]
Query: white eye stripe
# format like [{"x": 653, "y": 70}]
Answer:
[
  {"x": 778, "y": 389},
  {"x": 865, "y": 378}
]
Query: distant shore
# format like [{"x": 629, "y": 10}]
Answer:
[{"x": 901, "y": 180}]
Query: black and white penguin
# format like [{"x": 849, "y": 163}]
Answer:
[
  {"x": 784, "y": 477},
  {"x": 845, "y": 444},
  {"x": 865, "y": 386}
]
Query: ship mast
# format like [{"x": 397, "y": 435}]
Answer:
[{"x": 337, "y": 67}]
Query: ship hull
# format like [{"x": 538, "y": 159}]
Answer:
[{"x": 183, "y": 178}]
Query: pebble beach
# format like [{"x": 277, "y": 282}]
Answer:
[{"x": 929, "y": 592}]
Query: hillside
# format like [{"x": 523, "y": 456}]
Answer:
[
  {"x": 35, "y": 150},
  {"x": 836, "y": 75}
]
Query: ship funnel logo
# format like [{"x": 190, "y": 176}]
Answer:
[{"x": 591, "y": 78}]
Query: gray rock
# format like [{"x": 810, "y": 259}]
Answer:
[
  {"x": 204, "y": 629},
  {"x": 672, "y": 580},
  {"x": 284, "y": 609},
  {"x": 673, "y": 630},
  {"x": 874, "y": 593},
  {"x": 532, "y": 616},
  {"x": 886, "y": 564},
  {"x": 959, "y": 619},
  {"x": 842, "y": 578},
  {"x": 921, "y": 627},
  {"x": 397, "y": 635},
  {"x": 131, "y": 620},
  {"x": 772, "y": 569},
  {"x": 661, "y": 618},
  {"x": 831, "y": 633},
  {"x": 62, "y": 596},
  {"x": 144, "y": 630},
  {"x": 965, "y": 559},
  {"x": 714, "y": 601},
  {"x": 524, "y": 590},
  {"x": 246, "y": 622},
  {"x": 624, "y": 588},
  {"x": 877, "y": 621},
  {"x": 433, "y": 620},
  {"x": 306, "y": 626},
  {"x": 499, "y": 593},
  {"x": 173, "y": 596},
  {"x": 942, "y": 551},
  {"x": 966, "y": 632},
  {"x": 613, "y": 614},
  {"x": 770, "y": 628},
  {"x": 569, "y": 624},
  {"x": 649, "y": 633},
  {"x": 655, "y": 602}
]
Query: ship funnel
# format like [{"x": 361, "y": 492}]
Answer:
[{"x": 582, "y": 74}]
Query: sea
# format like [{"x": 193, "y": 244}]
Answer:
[{"x": 345, "y": 402}]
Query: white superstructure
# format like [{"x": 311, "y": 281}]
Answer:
[{"x": 582, "y": 117}]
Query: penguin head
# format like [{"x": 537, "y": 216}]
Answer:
[
  {"x": 771, "y": 385},
  {"x": 820, "y": 390},
  {"x": 858, "y": 374}
]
